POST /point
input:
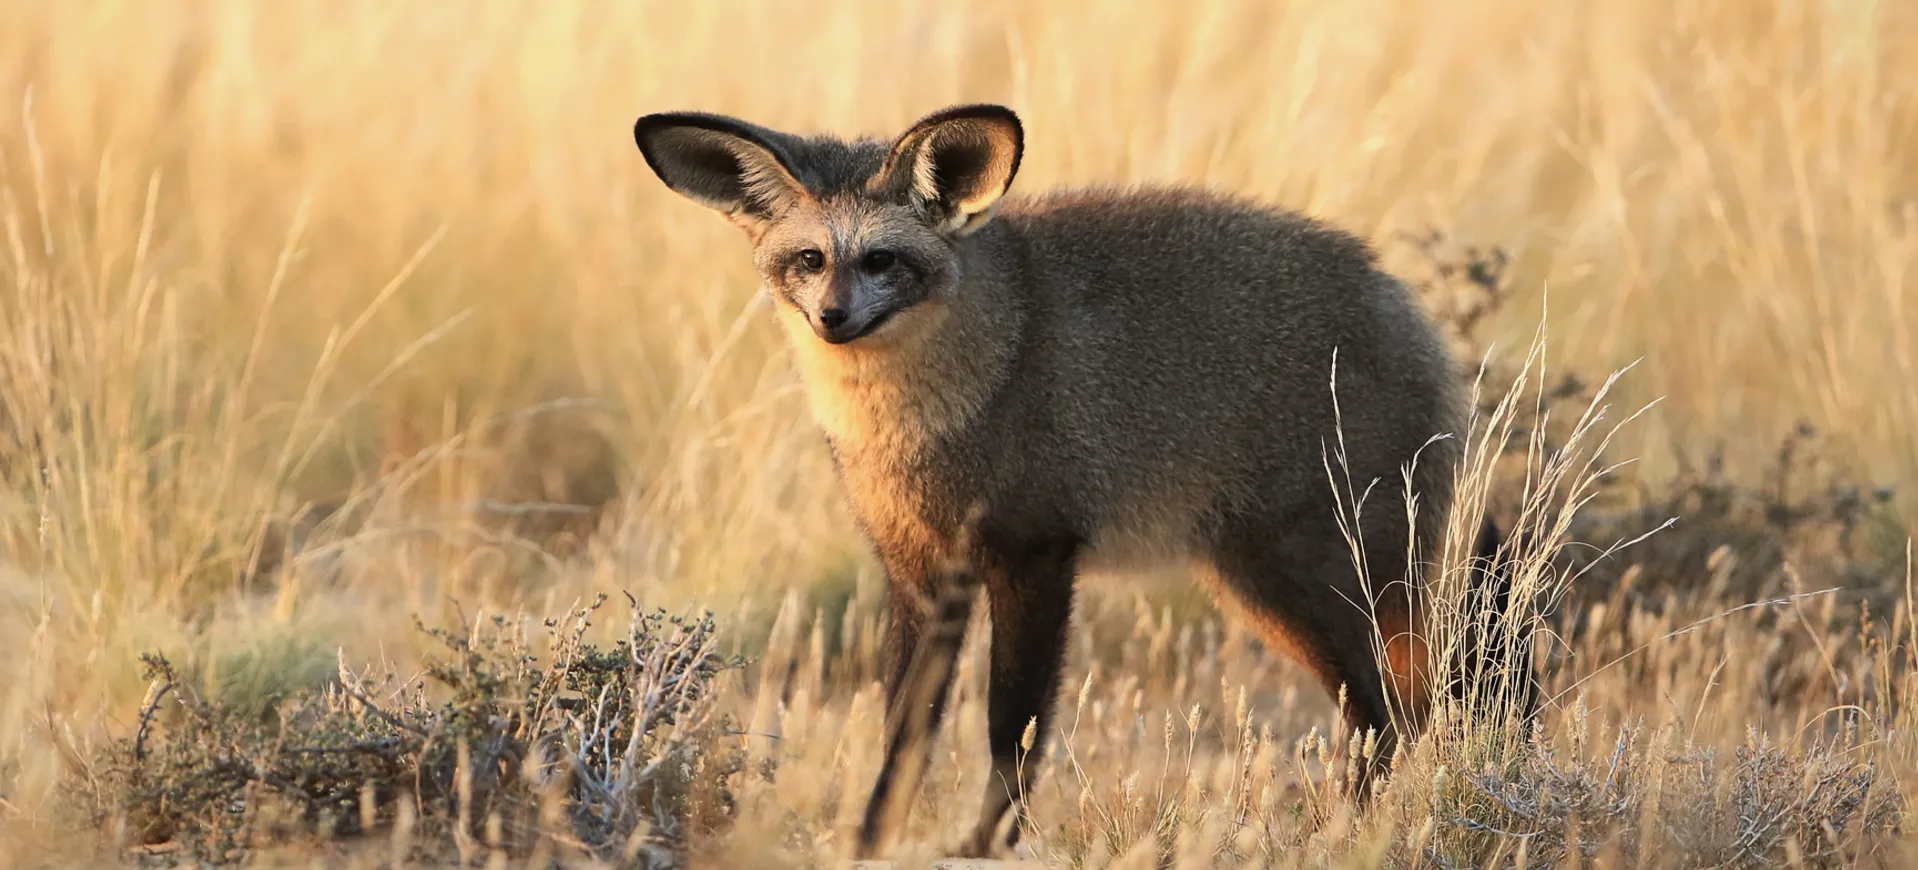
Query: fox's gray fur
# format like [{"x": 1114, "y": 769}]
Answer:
[{"x": 1112, "y": 379}]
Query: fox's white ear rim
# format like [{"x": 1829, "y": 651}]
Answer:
[
  {"x": 966, "y": 219},
  {"x": 987, "y": 140}
]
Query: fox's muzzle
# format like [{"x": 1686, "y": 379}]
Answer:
[{"x": 837, "y": 325}]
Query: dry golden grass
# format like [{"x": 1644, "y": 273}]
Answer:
[{"x": 402, "y": 261}]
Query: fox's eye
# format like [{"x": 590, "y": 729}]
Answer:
[
  {"x": 879, "y": 261},
  {"x": 812, "y": 260}
]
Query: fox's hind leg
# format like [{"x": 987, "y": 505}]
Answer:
[{"x": 1300, "y": 589}]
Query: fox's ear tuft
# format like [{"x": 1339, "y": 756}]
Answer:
[
  {"x": 725, "y": 164},
  {"x": 955, "y": 164}
]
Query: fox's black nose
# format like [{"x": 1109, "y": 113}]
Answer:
[{"x": 831, "y": 318}]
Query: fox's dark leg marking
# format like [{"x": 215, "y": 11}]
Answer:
[{"x": 1029, "y": 589}]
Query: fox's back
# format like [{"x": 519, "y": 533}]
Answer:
[{"x": 1176, "y": 363}]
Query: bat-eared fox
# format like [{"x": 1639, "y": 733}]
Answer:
[{"x": 1017, "y": 390}]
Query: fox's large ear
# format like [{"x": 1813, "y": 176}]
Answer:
[
  {"x": 724, "y": 164},
  {"x": 956, "y": 164}
]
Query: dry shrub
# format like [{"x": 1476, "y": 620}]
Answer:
[
  {"x": 1659, "y": 802},
  {"x": 603, "y": 752}
]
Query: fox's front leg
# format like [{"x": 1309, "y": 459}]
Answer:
[
  {"x": 923, "y": 638},
  {"x": 906, "y": 619},
  {"x": 1030, "y": 593}
]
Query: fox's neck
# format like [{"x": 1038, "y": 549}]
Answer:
[{"x": 933, "y": 375}]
